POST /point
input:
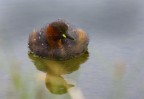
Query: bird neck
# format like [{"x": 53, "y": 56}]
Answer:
[
  {"x": 53, "y": 37},
  {"x": 54, "y": 43}
]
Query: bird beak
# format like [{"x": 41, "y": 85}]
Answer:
[{"x": 67, "y": 36}]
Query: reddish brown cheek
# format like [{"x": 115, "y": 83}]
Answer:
[
  {"x": 51, "y": 43},
  {"x": 60, "y": 44},
  {"x": 51, "y": 36},
  {"x": 50, "y": 31},
  {"x": 54, "y": 43}
]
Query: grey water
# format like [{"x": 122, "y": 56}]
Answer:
[{"x": 113, "y": 69}]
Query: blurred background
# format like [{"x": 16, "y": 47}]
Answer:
[{"x": 114, "y": 68}]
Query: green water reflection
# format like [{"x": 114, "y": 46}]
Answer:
[{"x": 54, "y": 70}]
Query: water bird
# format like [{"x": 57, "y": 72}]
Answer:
[{"x": 58, "y": 40}]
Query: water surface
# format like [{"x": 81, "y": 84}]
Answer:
[{"x": 113, "y": 69}]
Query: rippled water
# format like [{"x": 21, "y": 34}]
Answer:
[{"x": 112, "y": 70}]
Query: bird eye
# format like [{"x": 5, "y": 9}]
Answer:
[{"x": 64, "y": 36}]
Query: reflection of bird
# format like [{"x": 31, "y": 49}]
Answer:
[
  {"x": 57, "y": 84},
  {"x": 58, "y": 41},
  {"x": 54, "y": 69}
]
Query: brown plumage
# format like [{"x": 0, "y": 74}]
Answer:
[{"x": 58, "y": 41}]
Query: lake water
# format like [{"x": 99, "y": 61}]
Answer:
[{"x": 113, "y": 69}]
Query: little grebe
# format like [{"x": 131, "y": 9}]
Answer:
[{"x": 58, "y": 41}]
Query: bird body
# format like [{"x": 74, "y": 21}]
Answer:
[{"x": 58, "y": 41}]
